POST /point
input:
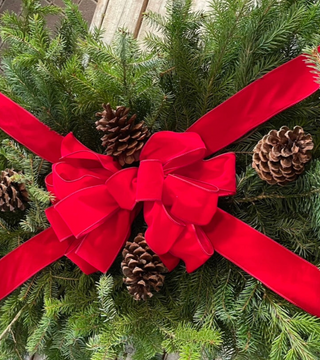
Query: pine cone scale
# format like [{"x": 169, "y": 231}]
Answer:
[{"x": 126, "y": 139}]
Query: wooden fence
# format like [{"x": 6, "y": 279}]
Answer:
[{"x": 113, "y": 14}]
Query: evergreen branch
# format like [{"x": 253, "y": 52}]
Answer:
[
  {"x": 277, "y": 196},
  {"x": 8, "y": 328},
  {"x": 218, "y": 63},
  {"x": 243, "y": 152},
  {"x": 155, "y": 117},
  {"x": 18, "y": 353},
  {"x": 250, "y": 297},
  {"x": 286, "y": 325},
  {"x": 65, "y": 278},
  {"x": 166, "y": 72},
  {"x": 29, "y": 287}
]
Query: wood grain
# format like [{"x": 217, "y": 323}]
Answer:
[{"x": 114, "y": 14}]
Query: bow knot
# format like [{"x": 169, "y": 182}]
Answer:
[{"x": 150, "y": 180}]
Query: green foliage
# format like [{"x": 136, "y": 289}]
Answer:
[
  {"x": 210, "y": 56},
  {"x": 38, "y": 65},
  {"x": 296, "y": 206},
  {"x": 198, "y": 61},
  {"x": 121, "y": 74},
  {"x": 64, "y": 77}
]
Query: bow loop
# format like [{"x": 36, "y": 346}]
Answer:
[
  {"x": 219, "y": 171},
  {"x": 78, "y": 169},
  {"x": 106, "y": 238},
  {"x": 86, "y": 209},
  {"x": 72, "y": 148},
  {"x": 163, "y": 229},
  {"x": 89, "y": 203},
  {"x": 123, "y": 186},
  {"x": 67, "y": 178},
  {"x": 193, "y": 247}
]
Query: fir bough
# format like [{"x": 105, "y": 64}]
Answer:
[
  {"x": 210, "y": 56},
  {"x": 199, "y": 61}
]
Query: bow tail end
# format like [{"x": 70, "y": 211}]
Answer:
[
  {"x": 193, "y": 247},
  {"x": 170, "y": 261},
  {"x": 84, "y": 266}
]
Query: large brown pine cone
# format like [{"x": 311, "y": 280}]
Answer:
[
  {"x": 279, "y": 157},
  {"x": 143, "y": 270},
  {"x": 123, "y": 138},
  {"x": 13, "y": 195}
]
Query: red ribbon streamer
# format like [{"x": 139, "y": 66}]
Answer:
[
  {"x": 29, "y": 131},
  {"x": 91, "y": 219},
  {"x": 256, "y": 103}
]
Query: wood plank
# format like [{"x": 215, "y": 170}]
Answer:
[
  {"x": 113, "y": 14},
  {"x": 201, "y": 5},
  {"x": 121, "y": 13},
  {"x": 111, "y": 19},
  {"x": 99, "y": 14},
  {"x": 157, "y": 6},
  {"x": 141, "y": 15}
]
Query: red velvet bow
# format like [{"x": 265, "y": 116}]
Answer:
[
  {"x": 180, "y": 191},
  {"x": 85, "y": 213}
]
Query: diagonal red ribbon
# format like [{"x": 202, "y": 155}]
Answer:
[
  {"x": 281, "y": 88},
  {"x": 180, "y": 196}
]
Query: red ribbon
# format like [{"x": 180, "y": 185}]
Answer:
[{"x": 97, "y": 202}]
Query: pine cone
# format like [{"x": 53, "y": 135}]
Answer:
[
  {"x": 123, "y": 138},
  {"x": 12, "y": 194},
  {"x": 279, "y": 157},
  {"x": 142, "y": 269}
]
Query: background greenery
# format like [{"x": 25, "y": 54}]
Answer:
[{"x": 198, "y": 61}]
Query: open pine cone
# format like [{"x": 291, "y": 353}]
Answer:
[
  {"x": 143, "y": 270},
  {"x": 279, "y": 157},
  {"x": 123, "y": 138},
  {"x": 13, "y": 195}
]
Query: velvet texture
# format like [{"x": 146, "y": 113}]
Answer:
[{"x": 91, "y": 218}]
